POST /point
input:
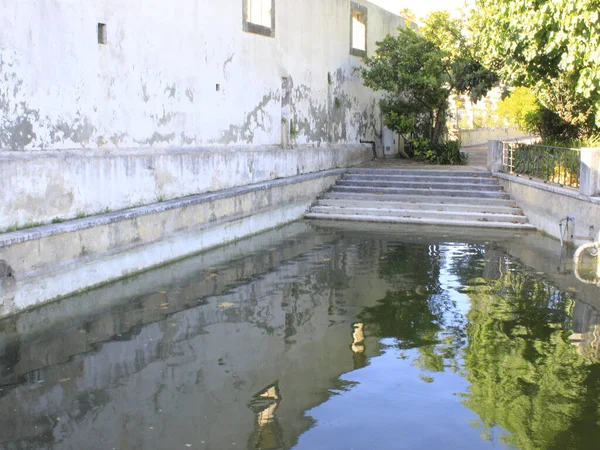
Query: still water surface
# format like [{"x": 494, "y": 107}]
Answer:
[{"x": 313, "y": 338}]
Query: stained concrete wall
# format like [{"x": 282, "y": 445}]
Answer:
[
  {"x": 48, "y": 262},
  {"x": 179, "y": 101},
  {"x": 154, "y": 84},
  {"x": 545, "y": 206},
  {"x": 60, "y": 185}
]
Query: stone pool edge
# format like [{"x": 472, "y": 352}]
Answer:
[{"x": 53, "y": 261}]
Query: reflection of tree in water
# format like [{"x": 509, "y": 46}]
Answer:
[
  {"x": 525, "y": 375},
  {"x": 412, "y": 266},
  {"x": 418, "y": 314}
]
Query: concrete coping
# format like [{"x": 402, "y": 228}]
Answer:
[
  {"x": 10, "y": 155},
  {"x": 566, "y": 191},
  {"x": 43, "y": 231}
]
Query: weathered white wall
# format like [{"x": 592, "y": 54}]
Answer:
[
  {"x": 41, "y": 187},
  {"x": 154, "y": 84},
  {"x": 85, "y": 127}
]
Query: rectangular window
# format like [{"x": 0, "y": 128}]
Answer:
[
  {"x": 358, "y": 30},
  {"x": 259, "y": 17},
  {"x": 102, "y": 39}
]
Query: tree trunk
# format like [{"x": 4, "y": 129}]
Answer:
[{"x": 438, "y": 129}]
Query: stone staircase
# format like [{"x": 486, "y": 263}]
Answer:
[
  {"x": 436, "y": 197},
  {"x": 477, "y": 155}
]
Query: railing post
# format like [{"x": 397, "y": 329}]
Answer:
[
  {"x": 494, "y": 157},
  {"x": 589, "y": 177}
]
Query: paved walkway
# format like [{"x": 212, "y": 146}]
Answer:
[
  {"x": 477, "y": 156},
  {"x": 477, "y": 161}
]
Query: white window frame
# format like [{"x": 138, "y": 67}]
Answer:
[
  {"x": 358, "y": 29},
  {"x": 259, "y": 17}
]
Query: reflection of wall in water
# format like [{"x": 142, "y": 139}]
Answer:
[
  {"x": 185, "y": 360},
  {"x": 586, "y": 330}
]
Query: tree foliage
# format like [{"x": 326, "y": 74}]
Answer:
[
  {"x": 520, "y": 109},
  {"x": 551, "y": 46},
  {"x": 418, "y": 72},
  {"x": 467, "y": 74},
  {"x": 411, "y": 72}
]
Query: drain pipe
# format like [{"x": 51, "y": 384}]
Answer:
[
  {"x": 373, "y": 146},
  {"x": 594, "y": 249},
  {"x": 566, "y": 222}
]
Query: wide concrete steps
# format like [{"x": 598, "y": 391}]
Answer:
[
  {"x": 435, "y": 197},
  {"x": 421, "y": 213},
  {"x": 422, "y": 185},
  {"x": 456, "y": 192},
  {"x": 411, "y": 198}
]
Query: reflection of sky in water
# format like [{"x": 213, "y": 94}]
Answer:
[
  {"x": 450, "y": 282},
  {"x": 390, "y": 407},
  {"x": 389, "y": 401}
]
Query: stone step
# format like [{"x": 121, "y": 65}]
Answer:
[
  {"x": 464, "y": 198},
  {"x": 408, "y": 198},
  {"x": 478, "y": 162},
  {"x": 422, "y": 185},
  {"x": 424, "y": 221},
  {"x": 420, "y": 214},
  {"x": 422, "y": 178},
  {"x": 466, "y": 172},
  {"x": 410, "y": 191},
  {"x": 431, "y": 206}
]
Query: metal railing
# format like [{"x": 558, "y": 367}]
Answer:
[{"x": 548, "y": 164}]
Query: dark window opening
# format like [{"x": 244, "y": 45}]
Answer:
[{"x": 102, "y": 33}]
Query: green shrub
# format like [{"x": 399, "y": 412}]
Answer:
[{"x": 446, "y": 153}]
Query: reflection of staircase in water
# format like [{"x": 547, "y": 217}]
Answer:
[{"x": 436, "y": 197}]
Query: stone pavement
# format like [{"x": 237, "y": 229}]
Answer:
[{"x": 477, "y": 161}]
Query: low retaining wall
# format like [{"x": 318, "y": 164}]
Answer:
[
  {"x": 52, "y": 261},
  {"x": 254, "y": 256},
  {"x": 545, "y": 205},
  {"x": 480, "y": 136},
  {"x": 38, "y": 187}
]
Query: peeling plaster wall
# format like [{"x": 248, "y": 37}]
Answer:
[
  {"x": 154, "y": 83},
  {"x": 68, "y": 184},
  {"x": 85, "y": 126}
]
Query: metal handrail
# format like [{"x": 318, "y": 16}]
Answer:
[{"x": 556, "y": 165}]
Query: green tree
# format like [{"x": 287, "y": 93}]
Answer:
[
  {"x": 418, "y": 72},
  {"x": 411, "y": 72},
  {"x": 409, "y": 16},
  {"x": 467, "y": 74},
  {"x": 520, "y": 108},
  {"x": 553, "y": 47}
]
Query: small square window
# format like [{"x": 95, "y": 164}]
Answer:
[
  {"x": 259, "y": 17},
  {"x": 102, "y": 33},
  {"x": 358, "y": 30}
]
